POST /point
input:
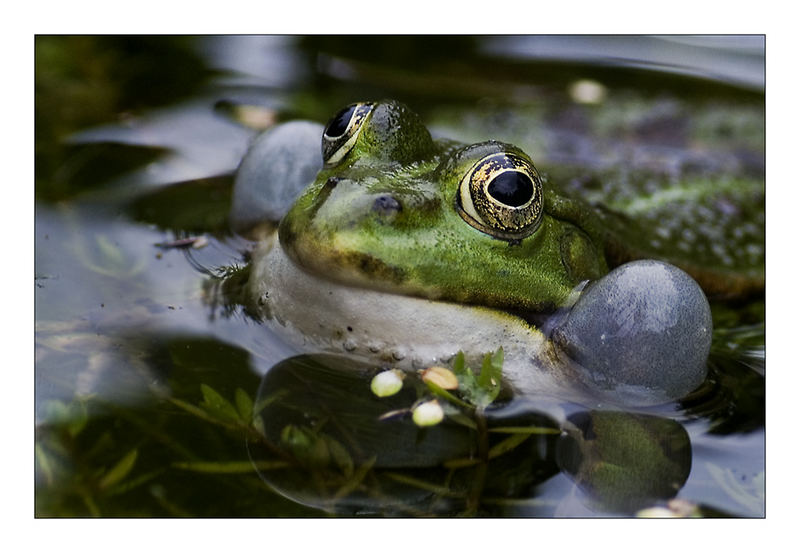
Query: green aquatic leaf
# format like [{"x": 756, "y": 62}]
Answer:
[
  {"x": 44, "y": 463},
  {"x": 444, "y": 394},
  {"x": 355, "y": 479},
  {"x": 264, "y": 402},
  {"x": 459, "y": 366},
  {"x": 119, "y": 471},
  {"x": 507, "y": 445},
  {"x": 217, "y": 405},
  {"x": 307, "y": 447},
  {"x": 229, "y": 467},
  {"x": 341, "y": 457},
  {"x": 72, "y": 416},
  {"x": 525, "y": 430},
  {"x": 491, "y": 376},
  {"x": 244, "y": 405}
]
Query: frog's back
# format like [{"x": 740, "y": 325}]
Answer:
[{"x": 679, "y": 182}]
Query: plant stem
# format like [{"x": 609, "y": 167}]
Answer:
[{"x": 473, "y": 501}]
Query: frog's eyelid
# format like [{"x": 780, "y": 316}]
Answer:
[
  {"x": 334, "y": 148},
  {"x": 342, "y": 151},
  {"x": 466, "y": 199}
]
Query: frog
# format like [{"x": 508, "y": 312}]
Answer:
[{"x": 392, "y": 246}]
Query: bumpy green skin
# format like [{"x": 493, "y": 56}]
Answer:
[{"x": 413, "y": 240}]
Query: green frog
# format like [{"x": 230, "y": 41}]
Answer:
[{"x": 403, "y": 249}]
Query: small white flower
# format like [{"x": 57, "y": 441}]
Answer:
[
  {"x": 428, "y": 414},
  {"x": 387, "y": 383}
]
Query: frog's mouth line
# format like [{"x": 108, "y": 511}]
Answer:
[{"x": 348, "y": 267}]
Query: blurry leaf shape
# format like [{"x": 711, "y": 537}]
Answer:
[
  {"x": 307, "y": 447},
  {"x": 422, "y": 484},
  {"x": 258, "y": 424},
  {"x": 461, "y": 463},
  {"x": 459, "y": 363},
  {"x": 44, "y": 463},
  {"x": 491, "y": 376},
  {"x": 340, "y": 456},
  {"x": 135, "y": 482},
  {"x": 507, "y": 445},
  {"x": 111, "y": 252},
  {"x": 244, "y": 404},
  {"x": 217, "y": 405},
  {"x": 72, "y": 416},
  {"x": 463, "y": 420},
  {"x": 265, "y": 401},
  {"x": 749, "y": 496},
  {"x": 444, "y": 394},
  {"x": 120, "y": 470},
  {"x": 112, "y": 262},
  {"x": 525, "y": 430},
  {"x": 229, "y": 467},
  {"x": 356, "y": 478}
]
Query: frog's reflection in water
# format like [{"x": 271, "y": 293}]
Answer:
[{"x": 325, "y": 440}]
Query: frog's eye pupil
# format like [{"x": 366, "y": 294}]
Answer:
[
  {"x": 339, "y": 122},
  {"x": 511, "y": 188}
]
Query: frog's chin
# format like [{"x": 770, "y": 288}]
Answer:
[{"x": 316, "y": 315}]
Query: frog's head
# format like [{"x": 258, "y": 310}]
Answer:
[{"x": 395, "y": 210}]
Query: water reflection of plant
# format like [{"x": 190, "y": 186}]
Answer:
[{"x": 355, "y": 451}]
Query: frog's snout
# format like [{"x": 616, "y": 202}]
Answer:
[{"x": 646, "y": 326}]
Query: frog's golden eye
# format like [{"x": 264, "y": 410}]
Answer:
[
  {"x": 341, "y": 132},
  {"x": 501, "y": 195}
]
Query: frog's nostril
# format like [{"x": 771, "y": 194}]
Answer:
[
  {"x": 332, "y": 182},
  {"x": 386, "y": 205}
]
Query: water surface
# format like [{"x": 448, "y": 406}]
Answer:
[{"x": 149, "y": 396}]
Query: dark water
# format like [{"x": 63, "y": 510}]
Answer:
[{"x": 152, "y": 402}]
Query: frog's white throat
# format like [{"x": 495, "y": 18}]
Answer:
[{"x": 317, "y": 315}]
